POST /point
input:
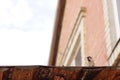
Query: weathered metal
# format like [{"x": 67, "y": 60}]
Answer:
[{"x": 59, "y": 73}]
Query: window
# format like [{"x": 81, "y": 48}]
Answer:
[
  {"x": 118, "y": 9},
  {"x": 76, "y": 61},
  {"x": 79, "y": 55},
  {"x": 74, "y": 51},
  {"x": 112, "y": 27},
  {"x": 116, "y": 12},
  {"x": 112, "y": 19},
  {"x": 78, "y": 58}
]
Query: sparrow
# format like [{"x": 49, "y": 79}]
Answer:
[{"x": 90, "y": 61}]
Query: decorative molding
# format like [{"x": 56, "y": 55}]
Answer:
[
  {"x": 111, "y": 24},
  {"x": 114, "y": 58},
  {"x": 74, "y": 40},
  {"x": 107, "y": 24}
]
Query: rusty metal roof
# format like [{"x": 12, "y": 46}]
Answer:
[{"x": 59, "y": 73}]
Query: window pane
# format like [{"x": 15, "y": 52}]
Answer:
[
  {"x": 78, "y": 58},
  {"x": 118, "y": 7}
]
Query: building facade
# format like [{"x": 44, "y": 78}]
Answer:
[{"x": 86, "y": 28}]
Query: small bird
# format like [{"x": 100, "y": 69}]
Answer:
[{"x": 90, "y": 61}]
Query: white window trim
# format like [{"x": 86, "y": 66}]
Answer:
[
  {"x": 79, "y": 45},
  {"x": 111, "y": 4},
  {"x": 74, "y": 42},
  {"x": 113, "y": 56},
  {"x": 116, "y": 18}
]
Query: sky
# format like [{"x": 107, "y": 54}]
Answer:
[{"x": 26, "y": 28}]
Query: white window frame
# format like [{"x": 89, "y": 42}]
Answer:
[
  {"x": 80, "y": 45},
  {"x": 116, "y": 18},
  {"x": 74, "y": 42}
]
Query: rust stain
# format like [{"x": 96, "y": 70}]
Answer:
[{"x": 59, "y": 73}]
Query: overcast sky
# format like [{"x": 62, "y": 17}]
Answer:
[{"x": 26, "y": 28}]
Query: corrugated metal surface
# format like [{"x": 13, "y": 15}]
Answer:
[{"x": 59, "y": 73}]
